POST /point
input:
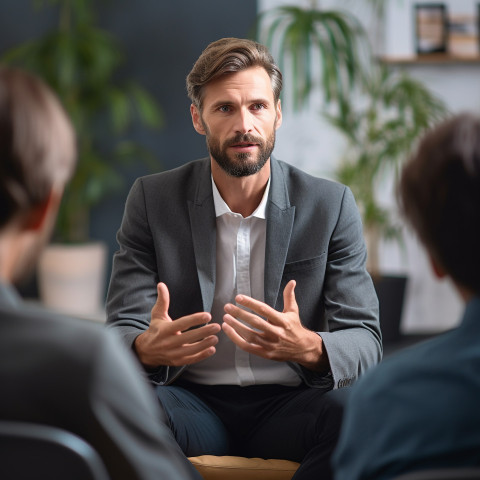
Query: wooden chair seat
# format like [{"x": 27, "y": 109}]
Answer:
[{"x": 212, "y": 467}]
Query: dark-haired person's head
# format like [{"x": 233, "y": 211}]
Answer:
[
  {"x": 37, "y": 158},
  {"x": 439, "y": 194}
]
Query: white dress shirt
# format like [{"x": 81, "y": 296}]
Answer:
[{"x": 239, "y": 270}]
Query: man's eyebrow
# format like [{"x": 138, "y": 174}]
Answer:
[
  {"x": 220, "y": 103},
  {"x": 261, "y": 100}
]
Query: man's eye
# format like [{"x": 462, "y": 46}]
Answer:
[
  {"x": 224, "y": 108},
  {"x": 258, "y": 106}
]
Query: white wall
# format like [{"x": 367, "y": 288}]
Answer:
[{"x": 309, "y": 142}]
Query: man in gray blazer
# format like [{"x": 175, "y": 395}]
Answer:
[
  {"x": 240, "y": 281},
  {"x": 58, "y": 371}
]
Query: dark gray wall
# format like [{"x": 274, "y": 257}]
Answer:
[{"x": 161, "y": 41}]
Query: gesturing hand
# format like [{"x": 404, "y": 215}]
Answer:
[
  {"x": 274, "y": 335},
  {"x": 171, "y": 342}
]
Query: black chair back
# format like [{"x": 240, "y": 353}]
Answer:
[{"x": 30, "y": 451}]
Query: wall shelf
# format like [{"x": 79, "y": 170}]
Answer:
[{"x": 437, "y": 58}]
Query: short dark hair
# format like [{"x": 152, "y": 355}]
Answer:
[
  {"x": 37, "y": 142},
  {"x": 230, "y": 55},
  {"x": 439, "y": 194}
]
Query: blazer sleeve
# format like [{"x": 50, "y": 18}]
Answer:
[
  {"x": 132, "y": 290},
  {"x": 353, "y": 339}
]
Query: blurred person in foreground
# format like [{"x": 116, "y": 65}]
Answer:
[
  {"x": 58, "y": 371},
  {"x": 266, "y": 261},
  {"x": 419, "y": 409}
]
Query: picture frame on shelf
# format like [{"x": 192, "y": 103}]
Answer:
[
  {"x": 431, "y": 28},
  {"x": 463, "y": 41}
]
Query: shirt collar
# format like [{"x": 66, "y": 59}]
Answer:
[{"x": 221, "y": 207}]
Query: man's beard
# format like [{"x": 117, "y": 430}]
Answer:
[{"x": 242, "y": 164}]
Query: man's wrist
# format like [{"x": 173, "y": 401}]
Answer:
[
  {"x": 139, "y": 350},
  {"x": 316, "y": 357}
]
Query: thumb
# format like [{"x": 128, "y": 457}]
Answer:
[
  {"x": 160, "y": 309},
  {"x": 289, "y": 300}
]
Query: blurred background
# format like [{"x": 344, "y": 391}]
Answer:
[{"x": 394, "y": 67}]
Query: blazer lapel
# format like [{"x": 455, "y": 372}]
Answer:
[
  {"x": 280, "y": 217},
  {"x": 203, "y": 226}
]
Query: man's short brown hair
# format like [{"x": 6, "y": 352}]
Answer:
[
  {"x": 230, "y": 55},
  {"x": 37, "y": 142},
  {"x": 439, "y": 193}
]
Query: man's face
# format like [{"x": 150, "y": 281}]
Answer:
[{"x": 239, "y": 119}]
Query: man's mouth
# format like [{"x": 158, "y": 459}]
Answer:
[
  {"x": 244, "y": 145},
  {"x": 244, "y": 142}
]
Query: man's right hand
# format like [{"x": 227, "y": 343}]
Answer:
[{"x": 170, "y": 342}]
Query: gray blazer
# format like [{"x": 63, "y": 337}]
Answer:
[
  {"x": 75, "y": 375},
  {"x": 314, "y": 235}
]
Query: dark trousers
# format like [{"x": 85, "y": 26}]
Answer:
[{"x": 268, "y": 421}]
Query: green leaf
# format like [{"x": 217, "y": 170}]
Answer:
[
  {"x": 297, "y": 36},
  {"x": 119, "y": 109},
  {"x": 146, "y": 106}
]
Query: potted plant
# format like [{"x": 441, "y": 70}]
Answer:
[
  {"x": 381, "y": 129},
  {"x": 80, "y": 62},
  {"x": 381, "y": 113}
]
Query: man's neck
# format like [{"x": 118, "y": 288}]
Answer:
[
  {"x": 241, "y": 194},
  {"x": 9, "y": 255}
]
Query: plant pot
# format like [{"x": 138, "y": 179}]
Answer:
[
  {"x": 391, "y": 294},
  {"x": 71, "y": 278}
]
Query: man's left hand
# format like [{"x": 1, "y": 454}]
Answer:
[{"x": 274, "y": 335}]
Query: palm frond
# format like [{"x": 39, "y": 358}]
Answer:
[{"x": 322, "y": 47}]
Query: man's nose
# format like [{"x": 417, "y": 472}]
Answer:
[{"x": 243, "y": 121}]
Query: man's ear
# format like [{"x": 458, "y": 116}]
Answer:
[
  {"x": 40, "y": 214},
  {"x": 278, "y": 118},
  {"x": 437, "y": 268},
  {"x": 197, "y": 120}
]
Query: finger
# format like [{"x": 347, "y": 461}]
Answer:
[
  {"x": 197, "y": 334},
  {"x": 193, "y": 353},
  {"x": 254, "y": 320},
  {"x": 247, "y": 333},
  {"x": 289, "y": 300},
  {"x": 160, "y": 309},
  {"x": 189, "y": 350},
  {"x": 238, "y": 340},
  {"x": 260, "y": 308},
  {"x": 195, "y": 321},
  {"x": 204, "y": 354}
]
